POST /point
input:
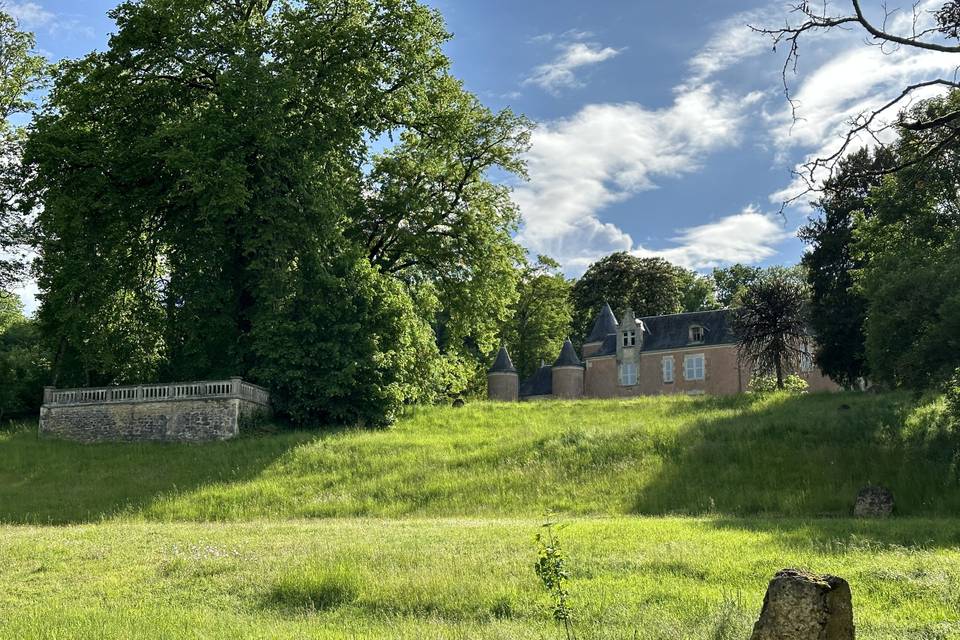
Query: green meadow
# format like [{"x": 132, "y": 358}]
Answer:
[{"x": 674, "y": 512}]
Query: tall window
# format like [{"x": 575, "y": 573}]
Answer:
[
  {"x": 667, "y": 367},
  {"x": 628, "y": 374},
  {"x": 696, "y": 334},
  {"x": 629, "y": 338},
  {"x": 694, "y": 367}
]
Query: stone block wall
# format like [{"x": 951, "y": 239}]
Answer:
[{"x": 170, "y": 419}]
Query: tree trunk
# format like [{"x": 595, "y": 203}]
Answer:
[{"x": 778, "y": 363}]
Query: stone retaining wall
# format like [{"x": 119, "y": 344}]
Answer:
[{"x": 182, "y": 412}]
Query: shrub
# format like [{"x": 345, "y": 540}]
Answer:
[
  {"x": 768, "y": 384},
  {"x": 344, "y": 347},
  {"x": 315, "y": 588},
  {"x": 952, "y": 394}
]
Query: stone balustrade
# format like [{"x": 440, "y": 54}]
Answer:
[{"x": 175, "y": 411}]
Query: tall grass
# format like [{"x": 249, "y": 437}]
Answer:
[
  {"x": 462, "y": 578},
  {"x": 744, "y": 456}
]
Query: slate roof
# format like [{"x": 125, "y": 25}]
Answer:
[
  {"x": 673, "y": 331},
  {"x": 604, "y": 325},
  {"x": 539, "y": 384},
  {"x": 609, "y": 346},
  {"x": 568, "y": 356},
  {"x": 503, "y": 363}
]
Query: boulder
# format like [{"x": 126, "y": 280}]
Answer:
[
  {"x": 805, "y": 606},
  {"x": 873, "y": 502}
]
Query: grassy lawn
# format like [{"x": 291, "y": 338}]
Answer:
[
  {"x": 678, "y": 512},
  {"x": 460, "y": 578}
]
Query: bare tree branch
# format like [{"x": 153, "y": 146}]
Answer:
[{"x": 873, "y": 125}]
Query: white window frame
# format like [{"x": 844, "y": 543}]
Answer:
[
  {"x": 629, "y": 338},
  {"x": 666, "y": 372},
  {"x": 625, "y": 369},
  {"x": 702, "y": 331},
  {"x": 690, "y": 369}
]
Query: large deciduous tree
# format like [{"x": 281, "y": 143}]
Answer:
[
  {"x": 771, "y": 322},
  {"x": 837, "y": 310},
  {"x": 211, "y": 205},
  {"x": 21, "y": 72},
  {"x": 909, "y": 249},
  {"x": 697, "y": 291},
  {"x": 541, "y": 316},
  {"x": 732, "y": 281},
  {"x": 649, "y": 286}
]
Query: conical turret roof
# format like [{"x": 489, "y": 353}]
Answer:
[
  {"x": 503, "y": 363},
  {"x": 568, "y": 356},
  {"x": 604, "y": 325}
]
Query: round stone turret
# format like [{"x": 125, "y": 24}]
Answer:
[
  {"x": 503, "y": 383},
  {"x": 568, "y": 374}
]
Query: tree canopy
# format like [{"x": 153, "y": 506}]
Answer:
[
  {"x": 649, "y": 286},
  {"x": 909, "y": 251},
  {"x": 21, "y": 72},
  {"x": 214, "y": 168},
  {"x": 837, "y": 310},
  {"x": 541, "y": 316}
]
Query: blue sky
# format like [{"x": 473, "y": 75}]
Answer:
[{"x": 662, "y": 126}]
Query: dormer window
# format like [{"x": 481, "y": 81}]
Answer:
[
  {"x": 696, "y": 333},
  {"x": 629, "y": 338}
]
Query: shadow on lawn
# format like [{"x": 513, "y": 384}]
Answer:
[
  {"x": 804, "y": 457},
  {"x": 55, "y": 482},
  {"x": 827, "y": 536}
]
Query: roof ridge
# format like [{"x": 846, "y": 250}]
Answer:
[{"x": 686, "y": 313}]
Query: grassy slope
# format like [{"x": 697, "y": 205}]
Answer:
[
  {"x": 792, "y": 457},
  {"x": 469, "y": 487}
]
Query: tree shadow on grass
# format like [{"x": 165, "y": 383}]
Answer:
[
  {"x": 828, "y": 536},
  {"x": 802, "y": 457},
  {"x": 45, "y": 481}
]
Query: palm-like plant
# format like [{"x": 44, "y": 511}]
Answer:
[{"x": 771, "y": 325}]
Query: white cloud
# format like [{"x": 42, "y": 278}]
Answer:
[
  {"x": 749, "y": 237},
  {"x": 30, "y": 14},
  {"x": 855, "y": 80},
  {"x": 733, "y": 42},
  {"x": 609, "y": 152},
  {"x": 842, "y": 77},
  {"x": 560, "y": 73}
]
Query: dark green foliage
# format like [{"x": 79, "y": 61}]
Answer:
[
  {"x": 212, "y": 171},
  {"x": 837, "y": 309},
  {"x": 649, "y": 286},
  {"x": 952, "y": 395},
  {"x": 541, "y": 316},
  {"x": 910, "y": 251},
  {"x": 23, "y": 362},
  {"x": 697, "y": 292},
  {"x": 771, "y": 323},
  {"x": 354, "y": 362},
  {"x": 732, "y": 281}
]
